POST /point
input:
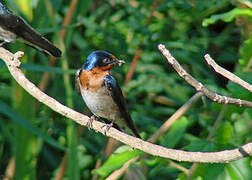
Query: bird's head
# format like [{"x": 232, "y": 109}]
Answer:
[{"x": 101, "y": 60}]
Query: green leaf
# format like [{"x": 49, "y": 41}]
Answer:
[
  {"x": 175, "y": 134},
  {"x": 116, "y": 161},
  {"x": 182, "y": 176},
  {"x": 85, "y": 159},
  {"x": 213, "y": 170},
  {"x": 239, "y": 170},
  {"x": 246, "y": 52},
  {"x": 4, "y": 91},
  {"x": 6, "y": 110},
  {"x": 224, "y": 133},
  {"x": 227, "y": 17}
]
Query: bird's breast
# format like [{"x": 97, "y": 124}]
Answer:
[{"x": 101, "y": 103}]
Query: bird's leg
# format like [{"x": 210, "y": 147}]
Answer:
[
  {"x": 107, "y": 127},
  {"x": 90, "y": 121}
]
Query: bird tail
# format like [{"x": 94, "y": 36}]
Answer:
[
  {"x": 136, "y": 133},
  {"x": 132, "y": 127},
  {"x": 37, "y": 41},
  {"x": 127, "y": 128},
  {"x": 43, "y": 45}
]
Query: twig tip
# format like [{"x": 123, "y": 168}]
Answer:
[
  {"x": 206, "y": 56},
  {"x": 18, "y": 54},
  {"x": 161, "y": 46}
]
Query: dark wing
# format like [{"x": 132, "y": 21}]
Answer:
[
  {"x": 77, "y": 81},
  {"x": 17, "y": 25},
  {"x": 118, "y": 98}
]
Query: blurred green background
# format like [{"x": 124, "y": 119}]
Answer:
[{"x": 37, "y": 143}]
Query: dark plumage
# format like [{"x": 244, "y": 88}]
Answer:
[
  {"x": 116, "y": 94},
  {"x": 101, "y": 92},
  {"x": 13, "y": 27}
]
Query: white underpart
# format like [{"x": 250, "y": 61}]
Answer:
[
  {"x": 102, "y": 105},
  {"x": 7, "y": 36}
]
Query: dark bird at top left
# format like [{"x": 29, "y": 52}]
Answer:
[{"x": 13, "y": 27}]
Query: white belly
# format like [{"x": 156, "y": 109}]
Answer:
[
  {"x": 7, "y": 35},
  {"x": 101, "y": 104}
]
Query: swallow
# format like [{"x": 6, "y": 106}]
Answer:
[
  {"x": 101, "y": 92},
  {"x": 13, "y": 27}
]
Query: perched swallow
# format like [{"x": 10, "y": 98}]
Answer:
[
  {"x": 101, "y": 93},
  {"x": 14, "y": 27}
]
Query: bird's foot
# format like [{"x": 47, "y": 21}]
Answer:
[
  {"x": 90, "y": 121},
  {"x": 107, "y": 127}
]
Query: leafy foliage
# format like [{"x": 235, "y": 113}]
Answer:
[{"x": 38, "y": 138}]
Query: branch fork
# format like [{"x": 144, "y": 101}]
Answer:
[{"x": 13, "y": 64}]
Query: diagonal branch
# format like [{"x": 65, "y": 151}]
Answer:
[
  {"x": 198, "y": 85},
  {"x": 227, "y": 74},
  {"x": 13, "y": 63},
  {"x": 181, "y": 111}
]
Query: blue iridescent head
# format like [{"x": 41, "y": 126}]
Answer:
[{"x": 100, "y": 59}]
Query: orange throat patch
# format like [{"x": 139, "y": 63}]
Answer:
[{"x": 92, "y": 80}]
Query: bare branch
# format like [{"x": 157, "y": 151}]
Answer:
[
  {"x": 13, "y": 64},
  {"x": 10, "y": 170},
  {"x": 249, "y": 65},
  {"x": 227, "y": 74},
  {"x": 61, "y": 169},
  {"x": 198, "y": 85},
  {"x": 118, "y": 173}
]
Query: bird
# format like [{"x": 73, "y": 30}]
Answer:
[
  {"x": 14, "y": 27},
  {"x": 101, "y": 92}
]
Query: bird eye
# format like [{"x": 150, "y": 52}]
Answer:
[{"x": 106, "y": 60}]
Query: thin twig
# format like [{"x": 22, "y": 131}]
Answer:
[
  {"x": 181, "y": 111},
  {"x": 68, "y": 18},
  {"x": 133, "y": 64},
  {"x": 217, "y": 122},
  {"x": 249, "y": 65},
  {"x": 227, "y": 74},
  {"x": 62, "y": 168},
  {"x": 12, "y": 61},
  {"x": 178, "y": 166},
  {"x": 210, "y": 135},
  {"x": 117, "y": 173},
  {"x": 97, "y": 165},
  {"x": 198, "y": 85},
  {"x": 10, "y": 170}
]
